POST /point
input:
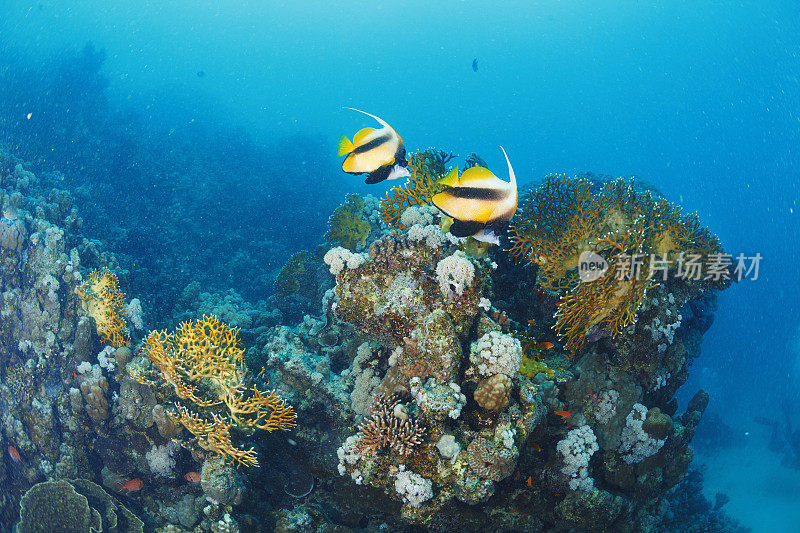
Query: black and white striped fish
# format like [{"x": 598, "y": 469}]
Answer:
[{"x": 379, "y": 153}]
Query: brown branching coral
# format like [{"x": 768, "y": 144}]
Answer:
[
  {"x": 203, "y": 363},
  {"x": 426, "y": 168},
  {"x": 106, "y": 305},
  {"x": 389, "y": 426}
]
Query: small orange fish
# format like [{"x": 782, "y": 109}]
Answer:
[
  {"x": 530, "y": 481},
  {"x": 563, "y": 414},
  {"x": 546, "y": 346},
  {"x": 14, "y": 454},
  {"x": 131, "y": 485},
  {"x": 537, "y": 448},
  {"x": 565, "y": 356},
  {"x": 193, "y": 477}
]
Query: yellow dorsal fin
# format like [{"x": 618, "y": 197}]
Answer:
[
  {"x": 451, "y": 179},
  {"x": 474, "y": 175},
  {"x": 361, "y": 135},
  {"x": 344, "y": 146}
]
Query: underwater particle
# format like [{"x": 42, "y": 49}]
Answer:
[{"x": 105, "y": 303}]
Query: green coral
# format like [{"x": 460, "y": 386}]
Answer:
[
  {"x": 77, "y": 506},
  {"x": 288, "y": 280},
  {"x": 347, "y": 226}
]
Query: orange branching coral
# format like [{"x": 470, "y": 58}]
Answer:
[
  {"x": 203, "y": 363},
  {"x": 106, "y": 305},
  {"x": 554, "y": 225},
  {"x": 215, "y": 436},
  {"x": 426, "y": 167},
  {"x": 253, "y": 409},
  {"x": 609, "y": 302},
  {"x": 639, "y": 237},
  {"x": 389, "y": 426}
]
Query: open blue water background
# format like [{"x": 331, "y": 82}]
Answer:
[{"x": 701, "y": 98}]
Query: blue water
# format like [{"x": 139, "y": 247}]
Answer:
[{"x": 700, "y": 98}]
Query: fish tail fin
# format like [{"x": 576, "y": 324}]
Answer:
[
  {"x": 345, "y": 146},
  {"x": 512, "y": 178},
  {"x": 379, "y": 119}
]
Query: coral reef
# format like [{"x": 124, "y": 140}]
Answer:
[{"x": 435, "y": 383}]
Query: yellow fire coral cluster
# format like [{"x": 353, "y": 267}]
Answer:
[
  {"x": 638, "y": 236},
  {"x": 105, "y": 303},
  {"x": 203, "y": 363},
  {"x": 426, "y": 167},
  {"x": 347, "y": 226}
]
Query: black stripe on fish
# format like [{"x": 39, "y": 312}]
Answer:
[
  {"x": 379, "y": 175},
  {"x": 475, "y": 193},
  {"x": 374, "y": 143},
  {"x": 465, "y": 228}
]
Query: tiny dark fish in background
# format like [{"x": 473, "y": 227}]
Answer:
[
  {"x": 475, "y": 65},
  {"x": 201, "y": 73}
]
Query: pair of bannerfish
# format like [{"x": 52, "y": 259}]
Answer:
[{"x": 480, "y": 204}]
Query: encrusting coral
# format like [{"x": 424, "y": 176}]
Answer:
[
  {"x": 203, "y": 363},
  {"x": 105, "y": 303}
]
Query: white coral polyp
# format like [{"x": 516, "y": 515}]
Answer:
[
  {"x": 339, "y": 258},
  {"x": 412, "y": 487},
  {"x": 636, "y": 443},
  {"x": 496, "y": 353},
  {"x": 577, "y": 448},
  {"x": 454, "y": 274}
]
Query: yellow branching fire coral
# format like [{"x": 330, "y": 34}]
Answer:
[
  {"x": 105, "y": 303},
  {"x": 426, "y": 167},
  {"x": 202, "y": 362},
  {"x": 638, "y": 236},
  {"x": 347, "y": 226}
]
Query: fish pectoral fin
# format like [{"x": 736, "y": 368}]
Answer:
[
  {"x": 344, "y": 147},
  {"x": 463, "y": 228}
]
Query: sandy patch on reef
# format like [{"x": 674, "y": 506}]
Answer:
[{"x": 764, "y": 494}]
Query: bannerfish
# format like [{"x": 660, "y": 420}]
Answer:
[
  {"x": 379, "y": 153},
  {"x": 480, "y": 203}
]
